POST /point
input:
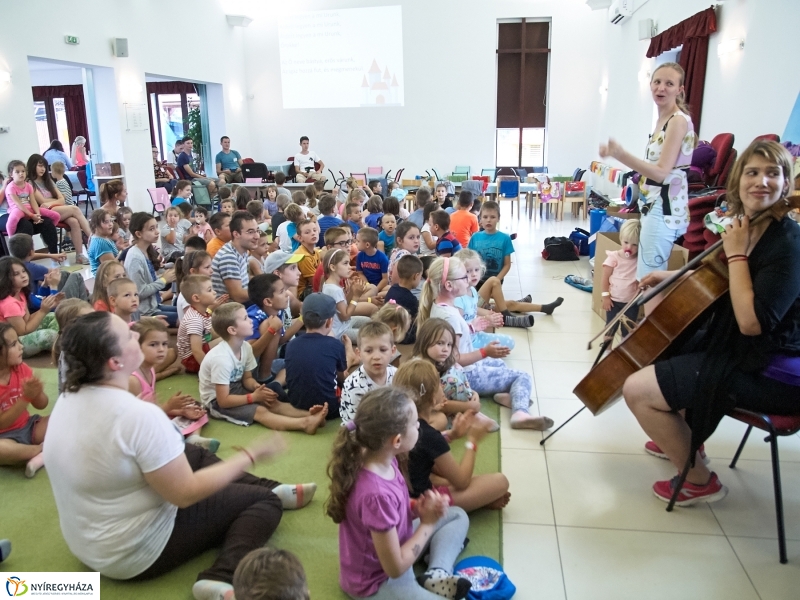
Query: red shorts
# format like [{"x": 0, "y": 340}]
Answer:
[{"x": 190, "y": 362}]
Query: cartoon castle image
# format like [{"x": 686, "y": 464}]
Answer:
[{"x": 377, "y": 89}]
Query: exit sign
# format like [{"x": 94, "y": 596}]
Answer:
[{"x": 71, "y": 39}]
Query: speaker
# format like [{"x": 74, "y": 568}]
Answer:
[
  {"x": 121, "y": 47},
  {"x": 645, "y": 29}
]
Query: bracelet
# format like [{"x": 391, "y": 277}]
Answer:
[
  {"x": 353, "y": 302},
  {"x": 605, "y": 294},
  {"x": 483, "y": 353},
  {"x": 271, "y": 331},
  {"x": 300, "y": 318},
  {"x": 250, "y": 456},
  {"x": 369, "y": 299},
  {"x": 744, "y": 256},
  {"x": 249, "y": 398},
  {"x": 470, "y": 446},
  {"x": 733, "y": 260}
]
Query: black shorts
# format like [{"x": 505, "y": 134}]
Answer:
[{"x": 677, "y": 380}]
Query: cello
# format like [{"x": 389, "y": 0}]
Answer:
[{"x": 690, "y": 292}]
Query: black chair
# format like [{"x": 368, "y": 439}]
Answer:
[{"x": 255, "y": 171}]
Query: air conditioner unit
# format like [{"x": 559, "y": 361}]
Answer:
[{"x": 620, "y": 11}]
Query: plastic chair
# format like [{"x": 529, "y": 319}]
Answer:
[
  {"x": 575, "y": 193},
  {"x": 508, "y": 189},
  {"x": 771, "y": 137},
  {"x": 556, "y": 197},
  {"x": 490, "y": 173},
  {"x": 361, "y": 178},
  {"x": 160, "y": 199},
  {"x": 201, "y": 197},
  {"x": 84, "y": 191},
  {"x": 374, "y": 170},
  {"x": 255, "y": 171},
  {"x": 462, "y": 170},
  {"x": 776, "y": 426}
]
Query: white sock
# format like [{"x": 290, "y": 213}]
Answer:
[
  {"x": 206, "y": 589},
  {"x": 295, "y": 495},
  {"x": 442, "y": 583},
  {"x": 210, "y": 444},
  {"x": 34, "y": 464}
]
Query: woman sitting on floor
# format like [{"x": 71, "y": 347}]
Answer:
[{"x": 133, "y": 500}]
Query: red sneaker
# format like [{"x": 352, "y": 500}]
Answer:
[
  {"x": 651, "y": 448},
  {"x": 690, "y": 493}
]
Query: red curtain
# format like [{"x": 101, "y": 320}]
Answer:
[
  {"x": 170, "y": 87},
  {"x": 693, "y": 34},
  {"x": 74, "y": 107}
]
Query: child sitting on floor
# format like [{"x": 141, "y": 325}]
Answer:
[
  {"x": 187, "y": 415},
  {"x": 194, "y": 333},
  {"x": 431, "y": 456},
  {"x": 386, "y": 237},
  {"x": 315, "y": 361},
  {"x": 375, "y": 212},
  {"x": 396, "y": 318},
  {"x": 370, "y": 261},
  {"x": 124, "y": 215},
  {"x": 409, "y": 274},
  {"x": 21, "y": 433},
  {"x": 269, "y": 197},
  {"x": 197, "y": 262},
  {"x": 447, "y": 280},
  {"x": 258, "y": 255},
  {"x": 123, "y": 299},
  {"x": 286, "y": 234},
  {"x": 228, "y": 389},
  {"x": 369, "y": 499},
  {"x": 108, "y": 272},
  {"x": 273, "y": 326},
  {"x": 375, "y": 351},
  {"x": 336, "y": 266},
  {"x": 270, "y": 574},
  {"x": 201, "y": 225},
  {"x": 446, "y": 242},
  {"x": 407, "y": 239}
]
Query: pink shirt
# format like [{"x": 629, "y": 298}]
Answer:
[
  {"x": 622, "y": 284},
  {"x": 12, "y": 306},
  {"x": 375, "y": 504},
  {"x": 23, "y": 194},
  {"x": 11, "y": 393}
]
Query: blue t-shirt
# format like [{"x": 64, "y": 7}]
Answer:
[
  {"x": 493, "y": 248},
  {"x": 354, "y": 226},
  {"x": 312, "y": 362},
  {"x": 373, "y": 220},
  {"x": 388, "y": 241},
  {"x": 97, "y": 247},
  {"x": 229, "y": 161},
  {"x": 183, "y": 160},
  {"x": 373, "y": 266},
  {"x": 326, "y": 223},
  {"x": 291, "y": 231},
  {"x": 447, "y": 244},
  {"x": 37, "y": 273}
]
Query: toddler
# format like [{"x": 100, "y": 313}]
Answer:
[
  {"x": 201, "y": 225},
  {"x": 108, "y": 272},
  {"x": 124, "y": 222},
  {"x": 386, "y": 238},
  {"x": 619, "y": 279},
  {"x": 194, "y": 333}
]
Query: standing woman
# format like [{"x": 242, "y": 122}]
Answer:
[
  {"x": 113, "y": 195},
  {"x": 133, "y": 500},
  {"x": 664, "y": 188},
  {"x": 79, "y": 156},
  {"x": 749, "y": 355},
  {"x": 52, "y": 198}
]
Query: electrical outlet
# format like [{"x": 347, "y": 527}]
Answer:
[{"x": 5, "y": 129}]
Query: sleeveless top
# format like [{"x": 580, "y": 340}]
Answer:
[
  {"x": 674, "y": 190},
  {"x": 148, "y": 390}
]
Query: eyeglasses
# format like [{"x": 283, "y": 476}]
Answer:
[
  {"x": 459, "y": 278},
  {"x": 343, "y": 243}
]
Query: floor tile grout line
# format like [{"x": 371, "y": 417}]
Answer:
[{"x": 736, "y": 554}]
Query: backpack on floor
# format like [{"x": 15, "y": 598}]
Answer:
[
  {"x": 489, "y": 582},
  {"x": 580, "y": 237},
  {"x": 559, "y": 248}
]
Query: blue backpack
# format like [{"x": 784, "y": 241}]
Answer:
[
  {"x": 489, "y": 582},
  {"x": 580, "y": 237}
]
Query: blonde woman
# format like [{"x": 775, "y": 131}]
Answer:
[{"x": 79, "y": 155}]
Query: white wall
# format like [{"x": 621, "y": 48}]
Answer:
[
  {"x": 56, "y": 76},
  {"x": 748, "y": 93},
  {"x": 151, "y": 27},
  {"x": 449, "y": 115}
]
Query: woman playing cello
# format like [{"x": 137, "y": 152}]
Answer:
[{"x": 748, "y": 355}]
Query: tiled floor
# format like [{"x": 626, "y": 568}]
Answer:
[{"x": 583, "y": 523}]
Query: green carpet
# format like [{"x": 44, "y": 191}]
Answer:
[{"x": 30, "y": 520}]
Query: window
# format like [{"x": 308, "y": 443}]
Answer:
[
  {"x": 51, "y": 123},
  {"x": 523, "y": 56}
]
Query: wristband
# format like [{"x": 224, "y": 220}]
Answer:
[
  {"x": 744, "y": 256},
  {"x": 733, "y": 260},
  {"x": 162, "y": 280},
  {"x": 250, "y": 456},
  {"x": 353, "y": 302},
  {"x": 605, "y": 294},
  {"x": 483, "y": 353},
  {"x": 300, "y": 318},
  {"x": 249, "y": 398},
  {"x": 470, "y": 446},
  {"x": 271, "y": 331},
  {"x": 369, "y": 300}
]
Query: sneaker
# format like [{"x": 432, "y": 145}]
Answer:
[
  {"x": 651, "y": 448},
  {"x": 81, "y": 259},
  {"x": 527, "y": 299},
  {"x": 690, "y": 493}
]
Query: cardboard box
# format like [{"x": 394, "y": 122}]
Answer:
[
  {"x": 610, "y": 241},
  {"x": 613, "y": 211}
]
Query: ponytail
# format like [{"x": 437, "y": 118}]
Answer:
[{"x": 433, "y": 285}]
